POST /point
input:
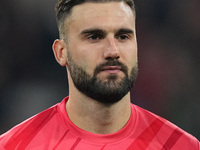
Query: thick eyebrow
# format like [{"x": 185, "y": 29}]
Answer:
[
  {"x": 125, "y": 31},
  {"x": 102, "y": 32},
  {"x": 93, "y": 31}
]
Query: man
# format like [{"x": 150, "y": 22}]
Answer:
[{"x": 98, "y": 47}]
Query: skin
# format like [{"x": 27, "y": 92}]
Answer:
[{"x": 115, "y": 22}]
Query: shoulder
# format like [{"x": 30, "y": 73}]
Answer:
[
  {"x": 164, "y": 131},
  {"x": 28, "y": 127}
]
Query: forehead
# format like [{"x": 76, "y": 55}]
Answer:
[{"x": 100, "y": 14}]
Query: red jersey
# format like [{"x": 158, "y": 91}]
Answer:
[{"x": 53, "y": 130}]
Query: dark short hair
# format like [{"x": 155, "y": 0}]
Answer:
[{"x": 64, "y": 7}]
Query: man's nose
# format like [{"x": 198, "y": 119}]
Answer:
[{"x": 111, "y": 49}]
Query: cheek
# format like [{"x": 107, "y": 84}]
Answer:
[
  {"x": 84, "y": 58},
  {"x": 130, "y": 58},
  {"x": 129, "y": 55}
]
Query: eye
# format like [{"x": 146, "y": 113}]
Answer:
[
  {"x": 123, "y": 37},
  {"x": 94, "y": 37}
]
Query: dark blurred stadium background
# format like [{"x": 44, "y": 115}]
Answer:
[{"x": 168, "y": 35}]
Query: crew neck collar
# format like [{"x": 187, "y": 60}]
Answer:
[{"x": 92, "y": 137}]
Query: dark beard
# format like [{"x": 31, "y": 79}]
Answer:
[{"x": 107, "y": 92}]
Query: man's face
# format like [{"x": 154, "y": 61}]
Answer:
[{"x": 102, "y": 50}]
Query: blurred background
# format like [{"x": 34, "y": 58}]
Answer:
[{"x": 168, "y": 35}]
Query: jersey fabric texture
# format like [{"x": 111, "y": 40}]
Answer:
[{"x": 53, "y": 130}]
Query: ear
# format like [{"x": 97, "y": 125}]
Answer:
[{"x": 60, "y": 52}]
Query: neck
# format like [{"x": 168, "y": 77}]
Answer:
[{"x": 96, "y": 117}]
